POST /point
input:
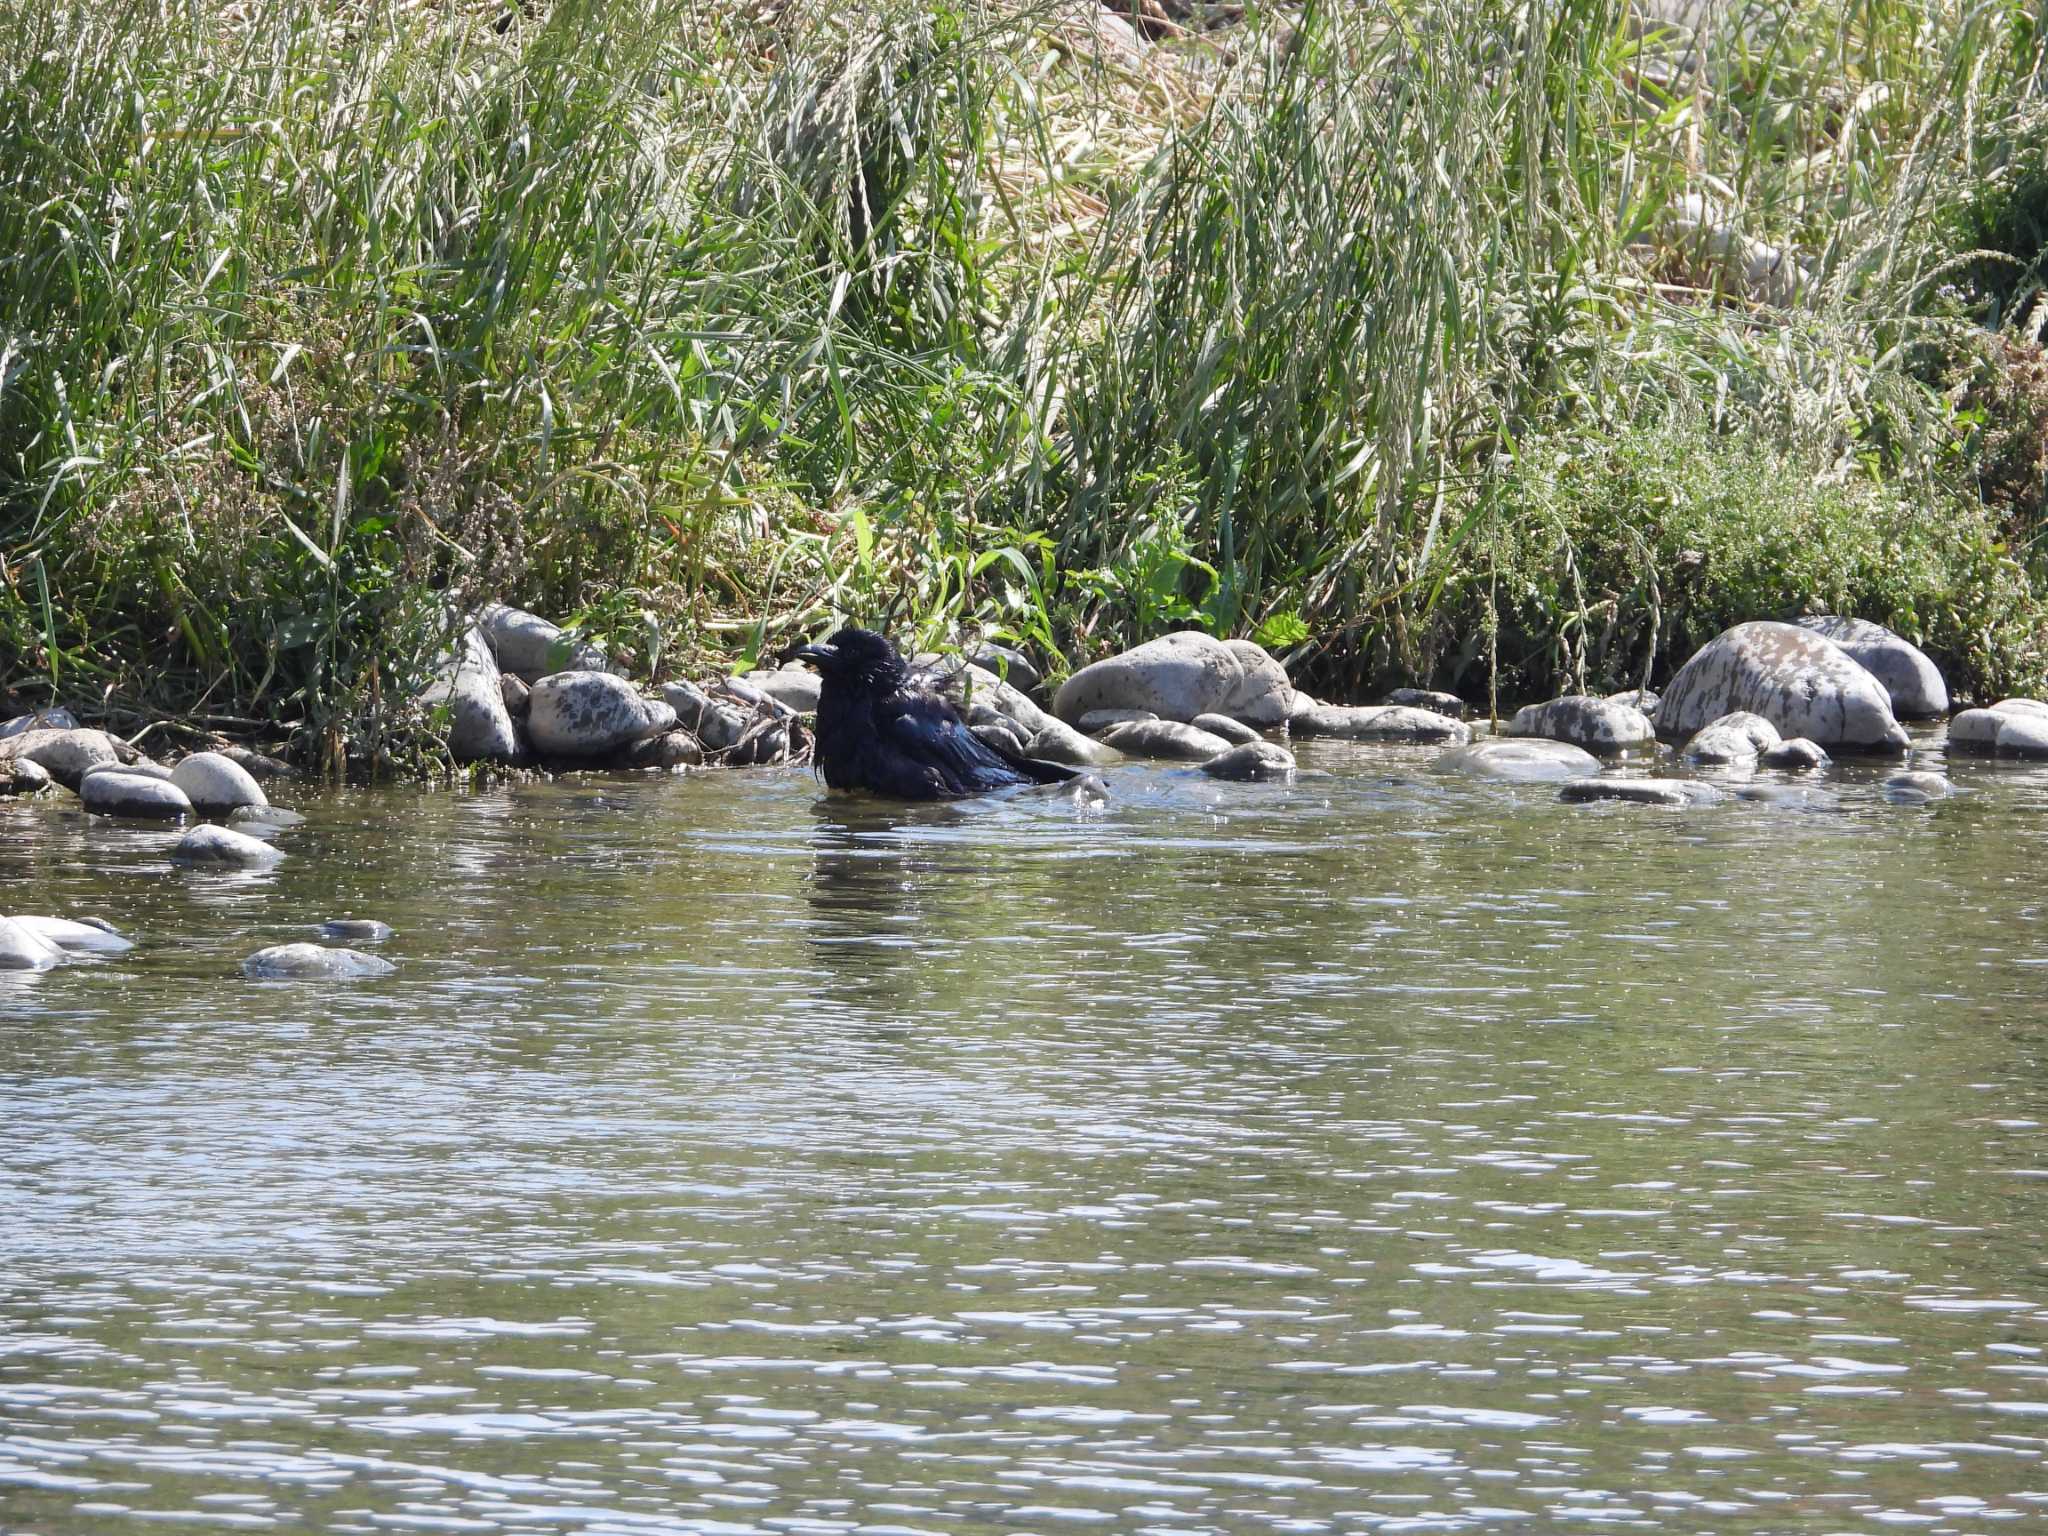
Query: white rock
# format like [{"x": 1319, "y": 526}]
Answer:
[
  {"x": 1803, "y": 683},
  {"x": 216, "y": 784},
  {"x": 1378, "y": 722},
  {"x": 1176, "y": 677},
  {"x": 207, "y": 844},
  {"x": 68, "y": 934},
  {"x": 531, "y": 647},
  {"x": 1595, "y": 724},
  {"x": 2009, "y": 728},
  {"x": 314, "y": 962},
  {"x": 23, "y": 950},
  {"x": 590, "y": 714},
  {"x": 1533, "y": 759},
  {"x": 1915, "y": 684},
  {"x": 470, "y": 688},
  {"x": 144, "y": 797},
  {"x": 142, "y": 768},
  {"x": 1264, "y": 697},
  {"x": 1736, "y": 739}
]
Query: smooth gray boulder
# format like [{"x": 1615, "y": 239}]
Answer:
[
  {"x": 58, "y": 719},
  {"x": 222, "y": 847},
  {"x": 21, "y": 777},
  {"x": 1524, "y": 760},
  {"x": 356, "y": 930},
  {"x": 1236, "y": 732},
  {"x": 141, "y": 768},
  {"x": 1803, "y": 683},
  {"x": 75, "y": 936},
  {"x": 1263, "y": 697},
  {"x": 1798, "y": 754},
  {"x": 314, "y": 962},
  {"x": 1096, "y": 721},
  {"x": 23, "y": 950},
  {"x": 1176, "y": 677},
  {"x": 1251, "y": 762},
  {"x": 216, "y": 784},
  {"x": 137, "y": 796},
  {"x": 1595, "y": 724},
  {"x": 65, "y": 755},
  {"x": 1740, "y": 738},
  {"x": 1379, "y": 722},
  {"x": 591, "y": 714},
  {"x": 1059, "y": 742},
  {"x": 531, "y": 647},
  {"x": 1437, "y": 703},
  {"x": 1917, "y": 788},
  {"x": 2009, "y": 728},
  {"x": 1915, "y": 683},
  {"x": 470, "y": 689},
  {"x": 1172, "y": 739},
  {"x": 795, "y": 687},
  {"x": 1638, "y": 792},
  {"x": 1644, "y": 699}
]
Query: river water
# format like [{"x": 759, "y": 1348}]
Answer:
[{"x": 1376, "y": 1153}]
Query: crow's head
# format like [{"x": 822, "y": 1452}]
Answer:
[{"x": 856, "y": 657}]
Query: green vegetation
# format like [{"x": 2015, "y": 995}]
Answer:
[{"x": 1456, "y": 341}]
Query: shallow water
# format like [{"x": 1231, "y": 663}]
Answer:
[{"x": 1376, "y": 1153}]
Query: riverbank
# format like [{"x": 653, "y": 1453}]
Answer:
[{"x": 1509, "y": 350}]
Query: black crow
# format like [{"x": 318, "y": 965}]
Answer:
[{"x": 883, "y": 729}]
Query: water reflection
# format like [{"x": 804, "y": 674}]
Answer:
[{"x": 1377, "y": 1153}]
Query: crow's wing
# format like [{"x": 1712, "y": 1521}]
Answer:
[{"x": 928, "y": 730}]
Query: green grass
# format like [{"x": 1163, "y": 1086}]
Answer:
[{"x": 1368, "y": 329}]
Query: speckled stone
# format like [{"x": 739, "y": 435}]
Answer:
[{"x": 1803, "y": 683}]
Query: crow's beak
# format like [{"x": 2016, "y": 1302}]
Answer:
[{"x": 816, "y": 655}]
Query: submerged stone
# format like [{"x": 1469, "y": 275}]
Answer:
[
  {"x": 1639, "y": 791},
  {"x": 93, "y": 937},
  {"x": 1533, "y": 759},
  {"x": 314, "y": 962},
  {"x": 1915, "y": 788},
  {"x": 357, "y": 930},
  {"x": 1251, "y": 761},
  {"x": 219, "y": 847},
  {"x": 23, "y": 950}
]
